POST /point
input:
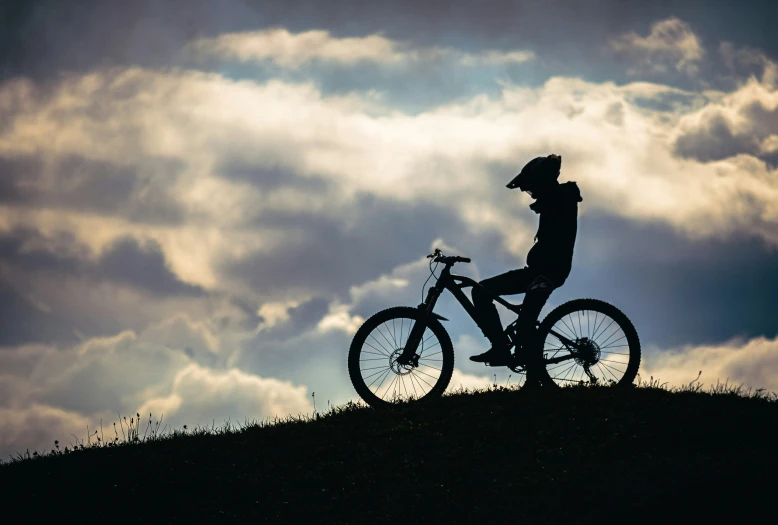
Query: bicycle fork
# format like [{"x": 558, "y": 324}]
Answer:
[{"x": 409, "y": 355}]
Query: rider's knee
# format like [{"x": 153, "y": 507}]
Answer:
[{"x": 541, "y": 284}]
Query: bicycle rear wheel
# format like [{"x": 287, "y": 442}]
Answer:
[
  {"x": 605, "y": 346},
  {"x": 372, "y": 359}
]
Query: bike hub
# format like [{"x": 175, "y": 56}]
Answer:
[
  {"x": 587, "y": 352},
  {"x": 402, "y": 368}
]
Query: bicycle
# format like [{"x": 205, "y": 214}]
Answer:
[{"x": 601, "y": 355}]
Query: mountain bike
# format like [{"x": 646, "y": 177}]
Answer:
[{"x": 405, "y": 354}]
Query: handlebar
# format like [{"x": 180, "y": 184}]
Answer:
[{"x": 437, "y": 256}]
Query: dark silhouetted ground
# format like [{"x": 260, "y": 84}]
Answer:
[{"x": 579, "y": 455}]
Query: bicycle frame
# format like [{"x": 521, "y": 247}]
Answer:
[{"x": 455, "y": 284}]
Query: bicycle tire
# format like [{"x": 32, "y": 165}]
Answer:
[
  {"x": 372, "y": 323},
  {"x": 593, "y": 305}
]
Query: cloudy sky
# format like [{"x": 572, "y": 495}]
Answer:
[{"x": 201, "y": 201}]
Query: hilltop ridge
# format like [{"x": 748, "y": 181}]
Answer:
[{"x": 579, "y": 455}]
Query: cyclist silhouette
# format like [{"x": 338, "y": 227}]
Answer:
[{"x": 548, "y": 262}]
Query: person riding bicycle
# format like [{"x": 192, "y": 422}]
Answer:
[{"x": 549, "y": 261}]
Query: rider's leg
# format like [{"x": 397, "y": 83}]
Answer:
[
  {"x": 509, "y": 283},
  {"x": 535, "y": 298}
]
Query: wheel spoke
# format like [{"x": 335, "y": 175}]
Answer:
[
  {"x": 565, "y": 332},
  {"x": 594, "y": 337},
  {"x": 571, "y": 330},
  {"x": 378, "y": 328},
  {"x": 558, "y": 376},
  {"x": 389, "y": 387},
  {"x": 428, "y": 348},
  {"x": 379, "y": 344},
  {"x": 611, "y": 336},
  {"x": 588, "y": 328},
  {"x": 384, "y": 379},
  {"x": 617, "y": 362},
  {"x": 575, "y": 367},
  {"x": 610, "y": 367},
  {"x": 376, "y": 373},
  {"x": 373, "y": 353},
  {"x": 414, "y": 387},
  {"x": 615, "y": 341},
  {"x": 556, "y": 351},
  {"x": 376, "y": 379},
  {"x": 558, "y": 365},
  {"x": 421, "y": 379},
  {"x": 597, "y": 327},
  {"x": 579, "y": 322},
  {"x": 425, "y": 373},
  {"x": 606, "y": 369},
  {"x": 385, "y": 354}
]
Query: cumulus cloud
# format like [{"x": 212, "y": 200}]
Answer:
[
  {"x": 753, "y": 363},
  {"x": 36, "y": 427},
  {"x": 744, "y": 121},
  {"x": 293, "y": 50},
  {"x": 199, "y": 395},
  {"x": 358, "y": 152},
  {"x": 460, "y": 379},
  {"x": 746, "y": 62},
  {"x": 178, "y": 367},
  {"x": 340, "y": 319},
  {"x": 671, "y": 43}
]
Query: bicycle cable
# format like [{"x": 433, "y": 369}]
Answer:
[{"x": 432, "y": 274}]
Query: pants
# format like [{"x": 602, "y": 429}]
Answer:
[{"x": 535, "y": 283}]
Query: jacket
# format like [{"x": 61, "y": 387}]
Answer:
[{"x": 555, "y": 239}]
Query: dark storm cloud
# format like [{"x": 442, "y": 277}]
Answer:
[
  {"x": 717, "y": 139},
  {"x": 127, "y": 261},
  {"x": 30, "y": 261},
  {"x": 140, "y": 193},
  {"x": 715, "y": 142},
  {"x": 424, "y": 84},
  {"x": 668, "y": 101},
  {"x": 141, "y": 265},
  {"x": 268, "y": 177},
  {"x": 329, "y": 255},
  {"x": 23, "y": 322},
  {"x": 302, "y": 318},
  {"x": 42, "y": 38}
]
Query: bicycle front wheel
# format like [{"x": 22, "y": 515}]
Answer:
[
  {"x": 372, "y": 359},
  {"x": 587, "y": 341}
]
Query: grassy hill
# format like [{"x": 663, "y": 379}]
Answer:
[{"x": 580, "y": 455}]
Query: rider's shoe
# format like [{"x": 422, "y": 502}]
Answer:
[{"x": 497, "y": 355}]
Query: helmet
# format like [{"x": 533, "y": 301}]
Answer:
[{"x": 537, "y": 173}]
